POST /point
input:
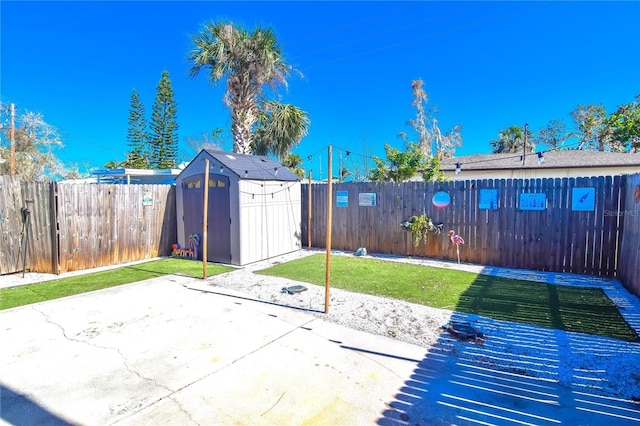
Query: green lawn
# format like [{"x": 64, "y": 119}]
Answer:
[
  {"x": 39, "y": 292},
  {"x": 579, "y": 309}
]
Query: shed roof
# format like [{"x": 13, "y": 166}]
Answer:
[
  {"x": 553, "y": 160},
  {"x": 254, "y": 167}
]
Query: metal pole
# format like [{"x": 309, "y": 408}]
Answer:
[
  {"x": 26, "y": 217},
  {"x": 327, "y": 283},
  {"x": 204, "y": 219}
]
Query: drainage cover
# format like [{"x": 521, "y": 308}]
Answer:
[{"x": 294, "y": 289}]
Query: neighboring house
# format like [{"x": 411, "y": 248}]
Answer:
[
  {"x": 553, "y": 164},
  {"x": 136, "y": 176}
]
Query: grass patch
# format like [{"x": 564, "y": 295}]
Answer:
[
  {"x": 579, "y": 309},
  {"x": 55, "y": 289}
]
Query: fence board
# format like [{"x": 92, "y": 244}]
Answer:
[
  {"x": 36, "y": 198},
  {"x": 629, "y": 259},
  {"x": 611, "y": 221}
]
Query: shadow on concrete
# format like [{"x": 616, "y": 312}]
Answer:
[
  {"x": 518, "y": 376},
  {"x": 250, "y": 299},
  {"x": 524, "y": 374},
  {"x": 17, "y": 409}
]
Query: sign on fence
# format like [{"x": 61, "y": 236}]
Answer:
[
  {"x": 583, "y": 199},
  {"x": 530, "y": 201},
  {"x": 342, "y": 198},
  {"x": 367, "y": 199},
  {"x": 488, "y": 199}
]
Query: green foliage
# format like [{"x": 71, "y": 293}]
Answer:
[
  {"x": 420, "y": 226},
  {"x": 164, "y": 127},
  {"x": 55, "y": 289},
  {"x": 137, "y": 135},
  {"x": 511, "y": 141},
  {"x": 401, "y": 166},
  {"x": 593, "y": 133},
  {"x": 280, "y": 128},
  {"x": 293, "y": 162},
  {"x": 582, "y": 310},
  {"x": 113, "y": 164},
  {"x": 624, "y": 125}
]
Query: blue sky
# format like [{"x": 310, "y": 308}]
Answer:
[{"x": 485, "y": 65}]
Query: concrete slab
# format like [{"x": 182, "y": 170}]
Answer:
[{"x": 177, "y": 351}]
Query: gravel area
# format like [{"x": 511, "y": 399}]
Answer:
[{"x": 408, "y": 322}]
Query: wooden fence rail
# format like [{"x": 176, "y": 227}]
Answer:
[
  {"x": 563, "y": 236},
  {"x": 82, "y": 226}
]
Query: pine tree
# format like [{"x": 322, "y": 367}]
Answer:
[
  {"x": 164, "y": 127},
  {"x": 137, "y": 135}
]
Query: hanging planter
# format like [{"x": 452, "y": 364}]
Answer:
[{"x": 420, "y": 226}]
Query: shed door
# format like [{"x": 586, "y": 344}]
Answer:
[{"x": 218, "y": 221}]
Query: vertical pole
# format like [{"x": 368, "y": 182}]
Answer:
[
  {"x": 327, "y": 283},
  {"x": 12, "y": 155},
  {"x": 524, "y": 148},
  {"x": 309, "y": 212},
  {"x": 55, "y": 232},
  {"x": 204, "y": 219}
]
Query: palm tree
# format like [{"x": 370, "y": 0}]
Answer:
[
  {"x": 510, "y": 141},
  {"x": 280, "y": 128},
  {"x": 247, "y": 62},
  {"x": 114, "y": 164},
  {"x": 293, "y": 162}
]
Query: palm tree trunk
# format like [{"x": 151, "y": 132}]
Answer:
[{"x": 241, "y": 129}]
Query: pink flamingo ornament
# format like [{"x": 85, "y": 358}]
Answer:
[{"x": 457, "y": 240}]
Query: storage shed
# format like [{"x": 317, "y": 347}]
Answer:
[{"x": 254, "y": 210}]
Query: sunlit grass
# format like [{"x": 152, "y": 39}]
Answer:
[
  {"x": 579, "y": 309},
  {"x": 54, "y": 289}
]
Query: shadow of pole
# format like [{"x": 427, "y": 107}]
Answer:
[
  {"x": 250, "y": 299},
  {"x": 18, "y": 409}
]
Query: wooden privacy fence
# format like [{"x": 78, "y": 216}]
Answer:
[
  {"x": 82, "y": 226},
  {"x": 577, "y": 228},
  {"x": 629, "y": 260}
]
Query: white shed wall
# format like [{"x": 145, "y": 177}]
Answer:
[{"x": 270, "y": 219}]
